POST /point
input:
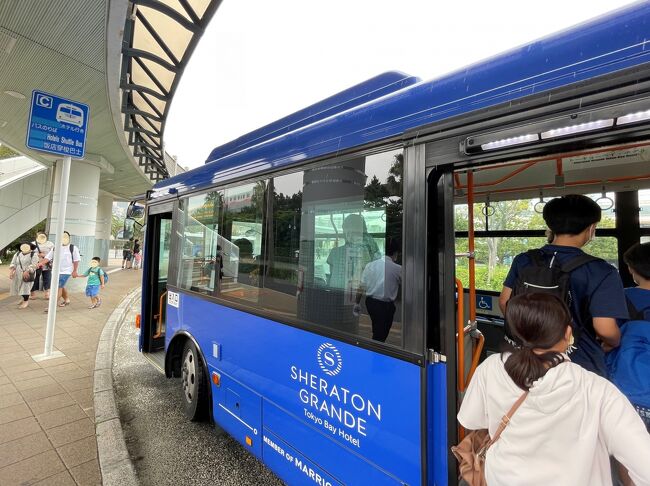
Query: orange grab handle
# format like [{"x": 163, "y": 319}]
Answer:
[
  {"x": 478, "y": 348},
  {"x": 460, "y": 330},
  {"x": 160, "y": 311}
]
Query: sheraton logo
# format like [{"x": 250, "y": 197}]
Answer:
[{"x": 329, "y": 359}]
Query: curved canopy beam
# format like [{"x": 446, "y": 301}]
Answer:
[{"x": 159, "y": 37}]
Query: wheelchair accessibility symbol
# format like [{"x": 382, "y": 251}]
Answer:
[{"x": 483, "y": 302}]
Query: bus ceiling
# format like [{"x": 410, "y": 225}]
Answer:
[{"x": 604, "y": 169}]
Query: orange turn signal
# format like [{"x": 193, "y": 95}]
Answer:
[
  {"x": 249, "y": 441},
  {"x": 137, "y": 321},
  {"x": 216, "y": 378}
]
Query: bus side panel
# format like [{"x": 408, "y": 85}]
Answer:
[
  {"x": 313, "y": 446},
  {"x": 238, "y": 410},
  {"x": 349, "y": 412},
  {"x": 437, "y": 449}
]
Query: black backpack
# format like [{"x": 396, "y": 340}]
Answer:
[{"x": 546, "y": 275}]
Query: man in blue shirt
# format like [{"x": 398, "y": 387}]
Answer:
[{"x": 597, "y": 295}]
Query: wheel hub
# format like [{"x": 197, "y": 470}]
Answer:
[{"x": 188, "y": 377}]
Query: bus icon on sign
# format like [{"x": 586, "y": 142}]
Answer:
[{"x": 67, "y": 113}]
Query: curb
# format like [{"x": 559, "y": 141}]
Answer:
[{"x": 114, "y": 460}]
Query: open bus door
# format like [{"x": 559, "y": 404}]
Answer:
[{"x": 156, "y": 267}]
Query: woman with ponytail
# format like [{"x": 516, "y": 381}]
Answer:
[{"x": 570, "y": 422}]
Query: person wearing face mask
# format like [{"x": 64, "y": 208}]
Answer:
[
  {"x": 594, "y": 290},
  {"x": 21, "y": 272},
  {"x": 70, "y": 258},
  {"x": 629, "y": 365},
  {"x": 43, "y": 274}
]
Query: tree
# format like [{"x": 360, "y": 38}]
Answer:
[
  {"x": 7, "y": 153},
  {"x": 27, "y": 236},
  {"x": 117, "y": 224},
  {"x": 395, "y": 208},
  {"x": 376, "y": 194}
]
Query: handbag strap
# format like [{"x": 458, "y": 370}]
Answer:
[{"x": 505, "y": 420}]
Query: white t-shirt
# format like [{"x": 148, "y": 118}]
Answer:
[
  {"x": 67, "y": 258},
  {"x": 564, "y": 432},
  {"x": 44, "y": 248},
  {"x": 381, "y": 279}
]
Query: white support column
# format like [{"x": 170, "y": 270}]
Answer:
[
  {"x": 103, "y": 226},
  {"x": 81, "y": 213}
]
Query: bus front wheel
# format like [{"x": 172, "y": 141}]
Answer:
[{"x": 193, "y": 381}]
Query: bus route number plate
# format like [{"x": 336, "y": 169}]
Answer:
[{"x": 173, "y": 299}]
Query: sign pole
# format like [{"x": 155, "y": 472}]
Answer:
[
  {"x": 56, "y": 268},
  {"x": 58, "y": 126}
]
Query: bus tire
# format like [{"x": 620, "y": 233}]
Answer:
[{"x": 193, "y": 383}]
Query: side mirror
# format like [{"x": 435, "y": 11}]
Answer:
[
  {"x": 127, "y": 232},
  {"x": 134, "y": 211}
]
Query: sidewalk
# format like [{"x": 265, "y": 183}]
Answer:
[{"x": 47, "y": 434}]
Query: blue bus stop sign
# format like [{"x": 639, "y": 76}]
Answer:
[{"x": 57, "y": 125}]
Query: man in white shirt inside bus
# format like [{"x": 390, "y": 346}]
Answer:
[
  {"x": 380, "y": 281},
  {"x": 69, "y": 255}
]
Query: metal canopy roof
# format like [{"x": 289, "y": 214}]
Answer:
[
  {"x": 73, "y": 48},
  {"x": 160, "y": 36},
  {"x": 380, "y": 109}
]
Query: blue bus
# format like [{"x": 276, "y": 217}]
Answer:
[{"x": 325, "y": 285}]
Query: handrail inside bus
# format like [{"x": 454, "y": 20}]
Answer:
[
  {"x": 460, "y": 336},
  {"x": 529, "y": 163},
  {"x": 568, "y": 184},
  {"x": 471, "y": 249},
  {"x": 159, "y": 316},
  {"x": 476, "y": 356},
  {"x": 471, "y": 328}
]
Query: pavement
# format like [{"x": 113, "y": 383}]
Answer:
[
  {"x": 166, "y": 448},
  {"x": 47, "y": 417}
]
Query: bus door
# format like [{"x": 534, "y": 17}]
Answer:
[
  {"x": 441, "y": 328},
  {"x": 156, "y": 267}
]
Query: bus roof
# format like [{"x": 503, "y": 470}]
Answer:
[{"x": 393, "y": 103}]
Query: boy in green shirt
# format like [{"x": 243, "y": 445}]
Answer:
[{"x": 95, "y": 280}]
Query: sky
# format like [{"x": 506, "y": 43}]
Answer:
[{"x": 260, "y": 60}]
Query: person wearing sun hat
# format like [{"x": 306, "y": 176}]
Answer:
[
  {"x": 21, "y": 272},
  {"x": 43, "y": 247}
]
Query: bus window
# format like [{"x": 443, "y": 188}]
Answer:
[
  {"x": 494, "y": 256},
  {"x": 605, "y": 247},
  {"x": 242, "y": 241},
  {"x": 200, "y": 243},
  {"x": 281, "y": 280},
  {"x": 644, "y": 206},
  {"x": 329, "y": 223},
  {"x": 504, "y": 229}
]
